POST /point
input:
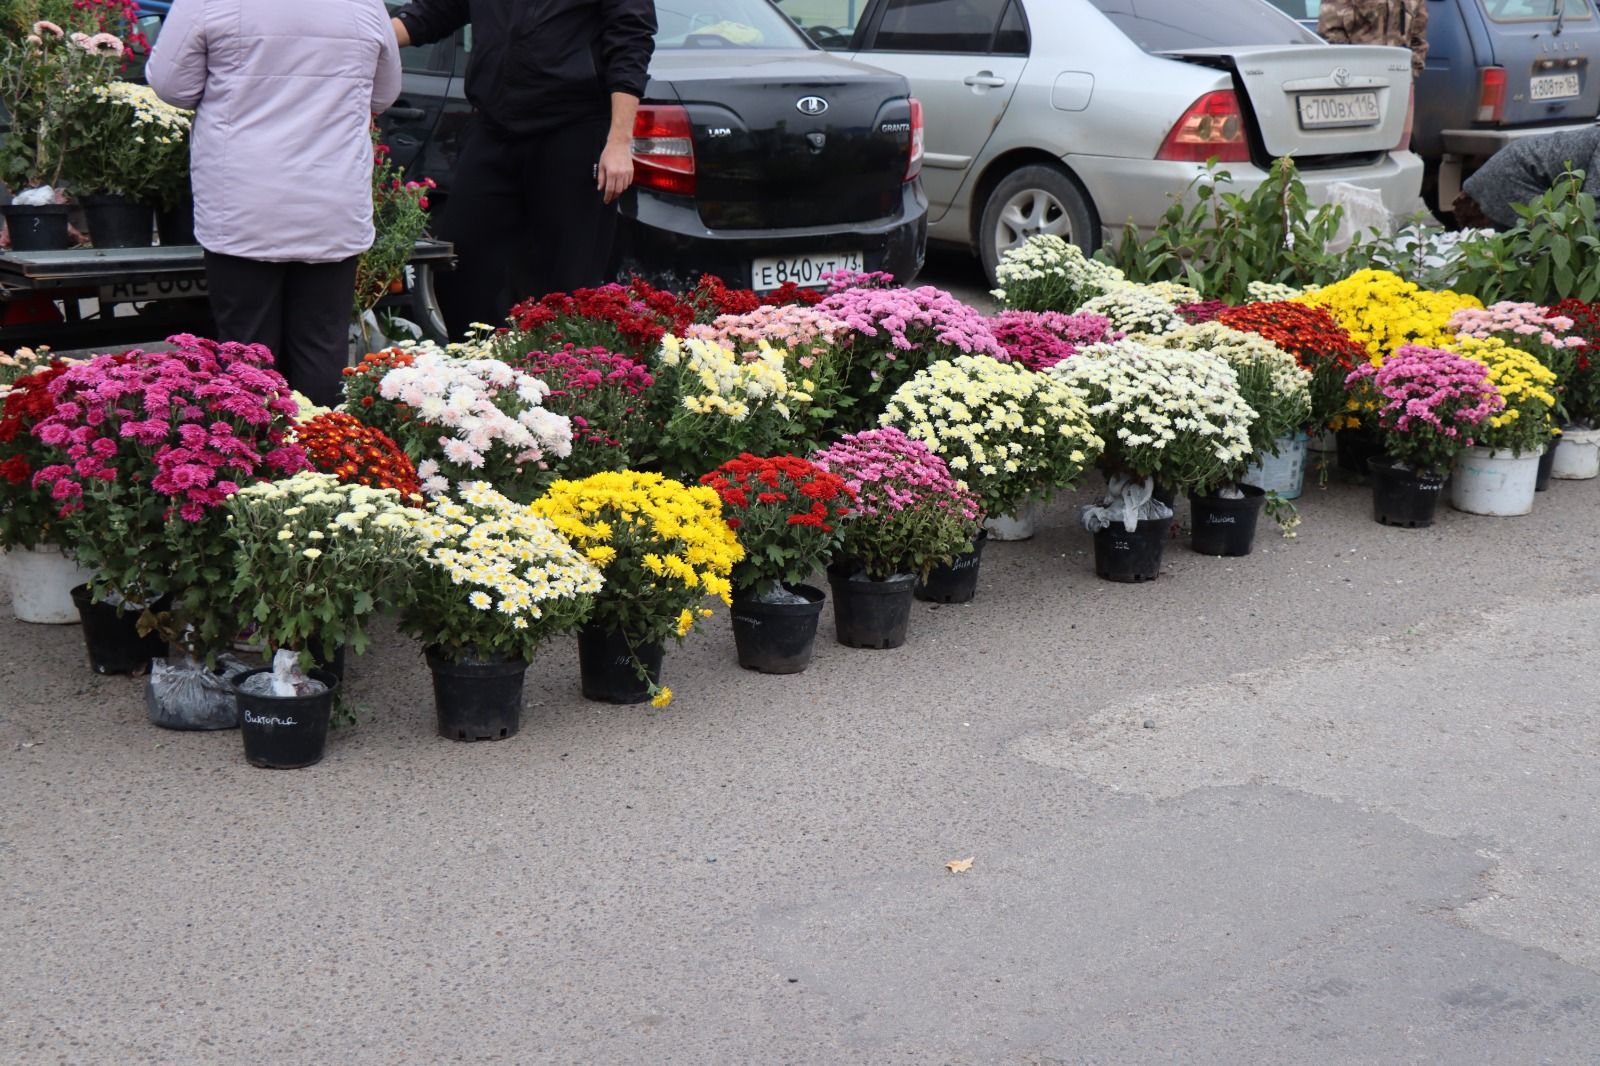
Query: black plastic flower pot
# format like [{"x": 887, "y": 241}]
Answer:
[
  {"x": 1355, "y": 449},
  {"x": 175, "y": 225},
  {"x": 118, "y": 222},
  {"x": 1221, "y": 526},
  {"x": 957, "y": 580},
  {"x": 477, "y": 700},
  {"x": 1131, "y": 556},
  {"x": 331, "y": 661},
  {"x": 777, "y": 638},
  {"x": 285, "y": 732},
  {"x": 868, "y": 613},
  {"x": 1547, "y": 462},
  {"x": 606, "y": 667},
  {"x": 112, "y": 638},
  {"x": 1402, "y": 496},
  {"x": 37, "y": 228}
]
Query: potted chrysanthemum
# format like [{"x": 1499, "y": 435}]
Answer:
[
  {"x": 1008, "y": 434},
  {"x": 910, "y": 514},
  {"x": 313, "y": 559},
  {"x": 893, "y": 334},
  {"x": 1428, "y": 404},
  {"x": 1547, "y": 335},
  {"x": 495, "y": 581},
  {"x": 1325, "y": 350},
  {"x": 718, "y": 403},
  {"x": 145, "y": 449},
  {"x": 41, "y": 573},
  {"x": 1277, "y": 389},
  {"x": 1047, "y": 273},
  {"x": 787, "y": 513},
  {"x": 1168, "y": 417},
  {"x": 461, "y": 416},
  {"x": 1499, "y": 473},
  {"x": 663, "y": 548},
  {"x": 605, "y": 394}
]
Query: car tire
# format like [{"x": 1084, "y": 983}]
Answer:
[{"x": 1032, "y": 200}]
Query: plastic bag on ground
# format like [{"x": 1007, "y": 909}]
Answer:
[
  {"x": 1127, "y": 501},
  {"x": 181, "y": 693}
]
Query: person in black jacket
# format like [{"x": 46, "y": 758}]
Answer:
[{"x": 555, "y": 86}]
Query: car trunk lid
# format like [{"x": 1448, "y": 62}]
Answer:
[
  {"x": 1311, "y": 101},
  {"x": 1549, "y": 76},
  {"x": 791, "y": 141}
]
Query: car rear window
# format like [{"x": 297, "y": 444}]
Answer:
[
  {"x": 1523, "y": 10},
  {"x": 685, "y": 24},
  {"x": 1174, "y": 25}
]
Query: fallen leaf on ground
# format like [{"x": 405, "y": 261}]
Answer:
[{"x": 958, "y": 866}]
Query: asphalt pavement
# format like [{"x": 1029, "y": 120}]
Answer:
[{"x": 1333, "y": 803}]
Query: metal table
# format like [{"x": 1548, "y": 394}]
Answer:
[{"x": 163, "y": 287}]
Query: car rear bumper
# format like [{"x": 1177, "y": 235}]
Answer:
[
  {"x": 1141, "y": 190},
  {"x": 1485, "y": 143},
  {"x": 661, "y": 239}
]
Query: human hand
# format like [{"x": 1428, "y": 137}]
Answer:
[{"x": 615, "y": 172}]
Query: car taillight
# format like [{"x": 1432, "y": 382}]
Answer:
[
  {"x": 1491, "y": 94},
  {"x": 918, "y": 139},
  {"x": 1212, "y": 127},
  {"x": 663, "y": 149}
]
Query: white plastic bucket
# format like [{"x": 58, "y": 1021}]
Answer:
[
  {"x": 1490, "y": 482},
  {"x": 1021, "y": 525},
  {"x": 1577, "y": 455},
  {"x": 1283, "y": 473},
  {"x": 1323, "y": 442},
  {"x": 41, "y": 582}
]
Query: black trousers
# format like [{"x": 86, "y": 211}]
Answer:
[
  {"x": 526, "y": 220},
  {"x": 301, "y": 311}
]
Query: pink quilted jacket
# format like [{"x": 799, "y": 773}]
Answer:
[{"x": 283, "y": 92}]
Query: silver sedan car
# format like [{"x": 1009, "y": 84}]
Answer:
[{"x": 1074, "y": 117}]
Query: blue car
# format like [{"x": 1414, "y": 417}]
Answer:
[{"x": 1497, "y": 70}]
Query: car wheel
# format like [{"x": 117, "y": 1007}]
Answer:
[{"x": 1030, "y": 201}]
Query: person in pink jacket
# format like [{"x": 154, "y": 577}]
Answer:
[{"x": 281, "y": 163}]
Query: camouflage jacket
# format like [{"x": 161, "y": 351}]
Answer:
[{"x": 1403, "y": 23}]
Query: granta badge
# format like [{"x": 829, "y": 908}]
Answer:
[{"x": 811, "y": 105}]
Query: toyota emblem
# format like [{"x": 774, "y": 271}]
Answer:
[
  {"x": 1341, "y": 76},
  {"x": 811, "y": 105}
]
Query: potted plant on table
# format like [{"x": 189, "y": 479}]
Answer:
[
  {"x": 399, "y": 217},
  {"x": 1008, "y": 434},
  {"x": 313, "y": 559},
  {"x": 787, "y": 513},
  {"x": 1428, "y": 405},
  {"x": 1277, "y": 389},
  {"x": 496, "y": 580},
  {"x": 130, "y": 155},
  {"x": 41, "y": 572},
  {"x": 910, "y": 514},
  {"x": 45, "y": 77},
  {"x": 663, "y": 548},
  {"x": 144, "y": 450},
  {"x": 1499, "y": 473},
  {"x": 1168, "y": 417}
]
